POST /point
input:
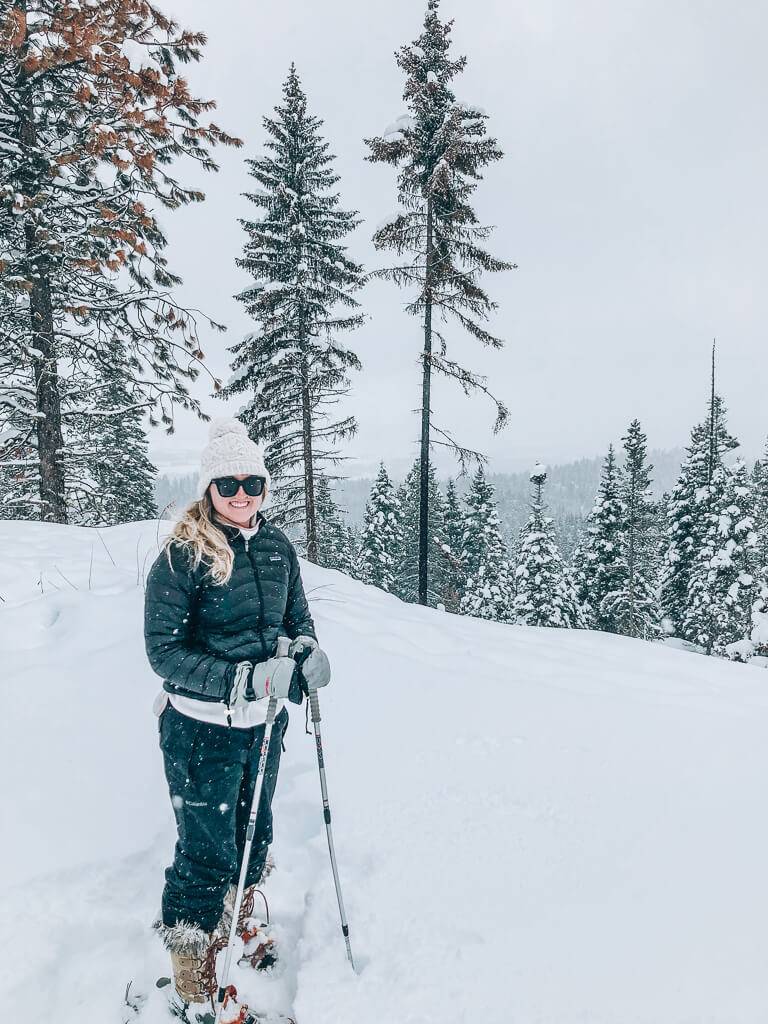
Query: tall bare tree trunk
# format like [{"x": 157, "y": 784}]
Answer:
[
  {"x": 309, "y": 474},
  {"x": 713, "y": 452},
  {"x": 425, "y": 410},
  {"x": 50, "y": 442}
]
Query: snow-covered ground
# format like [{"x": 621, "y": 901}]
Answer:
[{"x": 533, "y": 827}]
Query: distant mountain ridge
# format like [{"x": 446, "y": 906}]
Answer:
[{"x": 570, "y": 492}]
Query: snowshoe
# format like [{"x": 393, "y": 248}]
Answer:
[
  {"x": 234, "y": 1012},
  {"x": 259, "y": 944},
  {"x": 187, "y": 1012},
  {"x": 259, "y": 950}
]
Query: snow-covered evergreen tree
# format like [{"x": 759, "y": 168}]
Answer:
[
  {"x": 381, "y": 541},
  {"x": 109, "y": 478},
  {"x": 334, "y": 543},
  {"x": 19, "y": 463},
  {"x": 544, "y": 591},
  {"x": 722, "y": 581},
  {"x": 293, "y": 367},
  {"x": 634, "y": 608},
  {"x": 94, "y": 116},
  {"x": 455, "y": 570},
  {"x": 353, "y": 547},
  {"x": 759, "y": 626},
  {"x": 440, "y": 148},
  {"x": 760, "y": 513},
  {"x": 686, "y": 524},
  {"x": 600, "y": 567},
  {"x": 407, "y": 574},
  {"x": 489, "y": 586},
  {"x": 684, "y": 531}
]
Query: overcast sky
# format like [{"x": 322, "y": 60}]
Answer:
[{"x": 632, "y": 197}]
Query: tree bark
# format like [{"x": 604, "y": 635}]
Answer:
[
  {"x": 50, "y": 442},
  {"x": 425, "y": 409}
]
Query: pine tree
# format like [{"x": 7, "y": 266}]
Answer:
[
  {"x": 109, "y": 478},
  {"x": 440, "y": 149},
  {"x": 684, "y": 530},
  {"x": 722, "y": 583},
  {"x": 19, "y": 465},
  {"x": 686, "y": 520},
  {"x": 634, "y": 607},
  {"x": 759, "y": 625},
  {"x": 544, "y": 591},
  {"x": 407, "y": 575},
  {"x": 334, "y": 545},
  {"x": 353, "y": 547},
  {"x": 381, "y": 542},
  {"x": 455, "y": 570},
  {"x": 293, "y": 367},
  {"x": 600, "y": 566},
  {"x": 489, "y": 588},
  {"x": 760, "y": 512},
  {"x": 94, "y": 114}
]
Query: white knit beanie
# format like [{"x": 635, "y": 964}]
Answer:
[{"x": 229, "y": 452}]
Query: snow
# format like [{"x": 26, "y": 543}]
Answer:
[
  {"x": 136, "y": 53},
  {"x": 400, "y": 125},
  {"x": 741, "y": 650},
  {"x": 472, "y": 109},
  {"x": 532, "y": 825}
]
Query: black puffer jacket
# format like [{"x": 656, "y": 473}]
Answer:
[{"x": 196, "y": 632}]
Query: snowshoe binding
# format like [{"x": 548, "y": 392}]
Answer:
[
  {"x": 259, "y": 950},
  {"x": 234, "y": 1012}
]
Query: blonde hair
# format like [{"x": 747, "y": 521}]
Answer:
[{"x": 197, "y": 531}]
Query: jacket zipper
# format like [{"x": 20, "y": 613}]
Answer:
[{"x": 261, "y": 599}]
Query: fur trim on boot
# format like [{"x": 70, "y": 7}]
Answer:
[{"x": 183, "y": 937}]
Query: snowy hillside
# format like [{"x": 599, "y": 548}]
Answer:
[{"x": 533, "y": 827}]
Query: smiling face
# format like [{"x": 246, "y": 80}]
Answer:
[{"x": 237, "y": 511}]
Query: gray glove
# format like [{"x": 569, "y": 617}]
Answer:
[
  {"x": 238, "y": 695},
  {"x": 272, "y": 678},
  {"x": 300, "y": 644},
  {"x": 316, "y": 669}
]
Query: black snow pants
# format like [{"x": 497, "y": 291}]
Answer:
[{"x": 211, "y": 772}]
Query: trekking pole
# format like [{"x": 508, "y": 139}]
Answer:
[
  {"x": 314, "y": 705},
  {"x": 249, "y": 834}
]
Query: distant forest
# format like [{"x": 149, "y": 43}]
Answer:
[{"x": 571, "y": 490}]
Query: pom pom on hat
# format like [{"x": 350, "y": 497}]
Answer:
[
  {"x": 230, "y": 452},
  {"x": 225, "y": 425}
]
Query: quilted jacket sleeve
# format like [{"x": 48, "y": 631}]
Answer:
[
  {"x": 297, "y": 620},
  {"x": 168, "y": 630}
]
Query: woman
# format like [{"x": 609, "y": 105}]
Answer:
[{"x": 226, "y": 586}]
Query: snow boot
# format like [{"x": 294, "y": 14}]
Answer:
[{"x": 193, "y": 962}]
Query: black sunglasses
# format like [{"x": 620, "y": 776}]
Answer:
[{"x": 228, "y": 486}]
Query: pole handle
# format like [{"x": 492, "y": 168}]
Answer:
[{"x": 314, "y": 706}]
